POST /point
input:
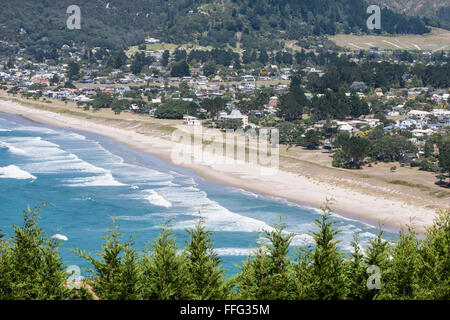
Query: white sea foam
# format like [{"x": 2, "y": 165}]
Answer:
[
  {"x": 141, "y": 175},
  {"x": 145, "y": 217},
  {"x": 156, "y": 199},
  {"x": 74, "y": 136},
  {"x": 222, "y": 219},
  {"x": 302, "y": 240},
  {"x": 14, "y": 172},
  {"x": 12, "y": 149},
  {"x": 246, "y": 193},
  {"x": 47, "y": 157},
  {"x": 60, "y": 237},
  {"x": 38, "y": 129},
  {"x": 195, "y": 202},
  {"x": 105, "y": 180},
  {"x": 236, "y": 251}
]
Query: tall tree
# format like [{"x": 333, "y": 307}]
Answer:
[
  {"x": 205, "y": 274},
  {"x": 165, "y": 58},
  {"x": 291, "y": 105},
  {"x": 74, "y": 69},
  {"x": 164, "y": 270},
  {"x": 267, "y": 275},
  {"x": 31, "y": 268},
  {"x": 444, "y": 156},
  {"x": 323, "y": 275},
  {"x": 180, "y": 69},
  {"x": 115, "y": 276}
]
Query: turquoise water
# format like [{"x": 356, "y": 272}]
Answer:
[{"x": 89, "y": 179}]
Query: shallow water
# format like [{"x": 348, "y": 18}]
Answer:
[{"x": 89, "y": 179}]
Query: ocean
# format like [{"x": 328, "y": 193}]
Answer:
[{"x": 89, "y": 179}]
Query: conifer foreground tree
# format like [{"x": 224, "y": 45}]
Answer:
[
  {"x": 377, "y": 254},
  {"x": 434, "y": 260},
  {"x": 164, "y": 270},
  {"x": 401, "y": 276},
  {"x": 411, "y": 267},
  {"x": 356, "y": 271},
  {"x": 30, "y": 264},
  {"x": 206, "y": 276},
  {"x": 267, "y": 275},
  {"x": 115, "y": 275},
  {"x": 324, "y": 274}
]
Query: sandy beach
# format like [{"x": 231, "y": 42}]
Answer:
[{"x": 389, "y": 205}]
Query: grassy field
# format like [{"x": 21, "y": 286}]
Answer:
[
  {"x": 438, "y": 39},
  {"x": 167, "y": 46}
]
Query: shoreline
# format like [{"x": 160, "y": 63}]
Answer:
[{"x": 349, "y": 203}]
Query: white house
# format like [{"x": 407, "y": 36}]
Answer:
[
  {"x": 344, "y": 126},
  {"x": 419, "y": 114},
  {"x": 235, "y": 114},
  {"x": 421, "y": 132},
  {"x": 248, "y": 78},
  {"x": 191, "y": 121},
  {"x": 152, "y": 40},
  {"x": 440, "y": 113}
]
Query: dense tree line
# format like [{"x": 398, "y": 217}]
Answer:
[
  {"x": 176, "y": 109},
  {"x": 218, "y": 56},
  {"x": 124, "y": 23},
  {"x": 338, "y": 106},
  {"x": 384, "y": 75},
  {"x": 354, "y": 149},
  {"x": 411, "y": 267}
]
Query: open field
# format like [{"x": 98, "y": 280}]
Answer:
[
  {"x": 438, "y": 39},
  {"x": 168, "y": 46}
]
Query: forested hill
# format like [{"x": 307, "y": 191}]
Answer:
[
  {"x": 436, "y": 12},
  {"x": 215, "y": 22}
]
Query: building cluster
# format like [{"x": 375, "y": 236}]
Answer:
[{"x": 50, "y": 80}]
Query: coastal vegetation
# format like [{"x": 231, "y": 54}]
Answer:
[{"x": 412, "y": 267}]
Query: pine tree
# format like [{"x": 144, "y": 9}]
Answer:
[
  {"x": 401, "y": 277},
  {"x": 435, "y": 260},
  {"x": 116, "y": 274},
  {"x": 31, "y": 265},
  {"x": 6, "y": 275},
  {"x": 253, "y": 280},
  {"x": 267, "y": 275},
  {"x": 377, "y": 255},
  {"x": 326, "y": 269},
  {"x": 205, "y": 273},
  {"x": 164, "y": 270},
  {"x": 302, "y": 276},
  {"x": 279, "y": 264},
  {"x": 357, "y": 271}
]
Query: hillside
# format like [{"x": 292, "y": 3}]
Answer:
[
  {"x": 207, "y": 22},
  {"x": 437, "y": 12}
]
